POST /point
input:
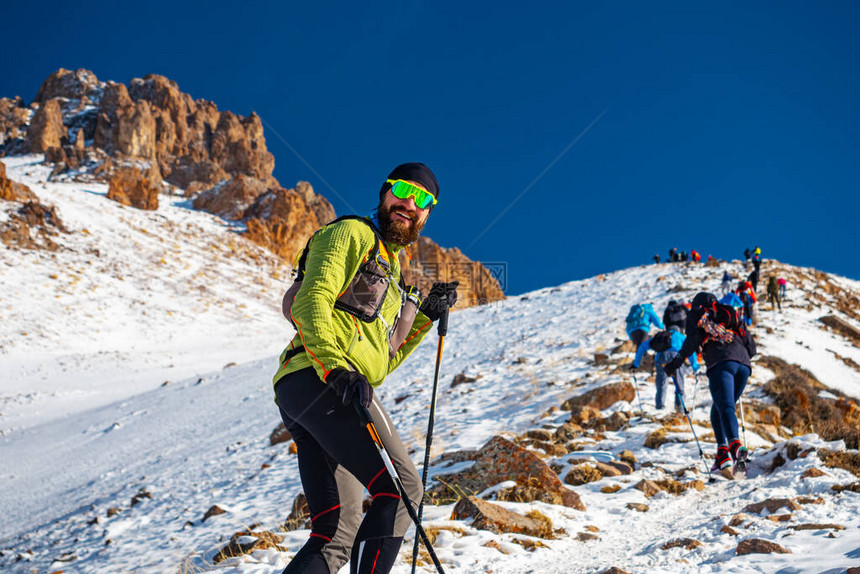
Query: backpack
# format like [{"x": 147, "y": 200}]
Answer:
[
  {"x": 365, "y": 294},
  {"x": 721, "y": 323},
  {"x": 635, "y": 317},
  {"x": 662, "y": 341},
  {"x": 676, "y": 315}
]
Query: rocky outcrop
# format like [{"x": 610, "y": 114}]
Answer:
[
  {"x": 501, "y": 460},
  {"x": 281, "y": 221},
  {"x": 12, "y": 190},
  {"x": 32, "y": 226},
  {"x": 602, "y": 397},
  {"x": 14, "y": 119},
  {"x": 87, "y": 127},
  {"x": 46, "y": 128},
  {"x": 494, "y": 518},
  {"x": 135, "y": 187},
  {"x": 425, "y": 262}
]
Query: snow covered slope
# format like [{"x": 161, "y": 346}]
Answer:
[{"x": 103, "y": 468}]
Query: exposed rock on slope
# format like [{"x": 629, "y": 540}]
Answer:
[{"x": 136, "y": 135}]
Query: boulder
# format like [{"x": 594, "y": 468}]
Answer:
[
  {"x": 46, "y": 128},
  {"x": 12, "y": 190},
  {"x": 279, "y": 435},
  {"x": 759, "y": 546},
  {"x": 771, "y": 505},
  {"x": 135, "y": 187},
  {"x": 687, "y": 543},
  {"x": 501, "y": 460},
  {"x": 494, "y": 518},
  {"x": 603, "y": 397}
]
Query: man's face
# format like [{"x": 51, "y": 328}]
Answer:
[{"x": 400, "y": 220}]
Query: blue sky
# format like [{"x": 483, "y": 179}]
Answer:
[{"x": 711, "y": 128}]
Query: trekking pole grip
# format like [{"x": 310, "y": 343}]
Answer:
[
  {"x": 442, "y": 329},
  {"x": 363, "y": 415}
]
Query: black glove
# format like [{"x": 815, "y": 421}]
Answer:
[
  {"x": 673, "y": 365},
  {"x": 434, "y": 303},
  {"x": 350, "y": 386},
  {"x": 632, "y": 367}
]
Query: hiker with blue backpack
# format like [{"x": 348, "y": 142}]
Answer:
[
  {"x": 727, "y": 347},
  {"x": 639, "y": 320},
  {"x": 666, "y": 344}
]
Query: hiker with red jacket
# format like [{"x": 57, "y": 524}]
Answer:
[
  {"x": 727, "y": 348},
  {"x": 748, "y": 298}
]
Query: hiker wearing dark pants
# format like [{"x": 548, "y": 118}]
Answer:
[
  {"x": 337, "y": 462},
  {"x": 726, "y": 382},
  {"x": 727, "y": 348},
  {"x": 356, "y": 321},
  {"x": 666, "y": 345}
]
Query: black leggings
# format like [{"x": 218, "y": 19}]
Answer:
[{"x": 330, "y": 440}]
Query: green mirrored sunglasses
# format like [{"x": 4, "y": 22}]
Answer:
[{"x": 404, "y": 190}]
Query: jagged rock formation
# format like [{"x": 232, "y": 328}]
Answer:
[
  {"x": 424, "y": 262},
  {"x": 139, "y": 135}
]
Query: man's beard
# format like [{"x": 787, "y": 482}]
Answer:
[{"x": 397, "y": 232}]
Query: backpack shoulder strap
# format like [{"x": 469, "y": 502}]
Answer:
[{"x": 303, "y": 258}]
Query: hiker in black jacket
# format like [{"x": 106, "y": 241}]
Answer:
[
  {"x": 728, "y": 369},
  {"x": 675, "y": 314}
]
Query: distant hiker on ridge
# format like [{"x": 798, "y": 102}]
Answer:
[
  {"x": 673, "y": 254},
  {"x": 656, "y": 258},
  {"x": 747, "y": 254},
  {"x": 782, "y": 282},
  {"x": 727, "y": 348},
  {"x": 747, "y": 296},
  {"x": 348, "y": 299},
  {"x": 639, "y": 320},
  {"x": 773, "y": 293}
]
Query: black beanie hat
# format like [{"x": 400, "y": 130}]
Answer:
[
  {"x": 703, "y": 299},
  {"x": 417, "y": 172}
]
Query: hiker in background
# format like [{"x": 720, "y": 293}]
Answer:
[
  {"x": 639, "y": 320},
  {"x": 673, "y": 254},
  {"x": 747, "y": 254},
  {"x": 756, "y": 260},
  {"x": 656, "y": 258},
  {"x": 675, "y": 314},
  {"x": 727, "y": 348},
  {"x": 782, "y": 282},
  {"x": 757, "y": 251},
  {"x": 726, "y": 285},
  {"x": 747, "y": 296},
  {"x": 695, "y": 256},
  {"x": 752, "y": 279},
  {"x": 684, "y": 256},
  {"x": 666, "y": 344},
  {"x": 732, "y": 300},
  {"x": 773, "y": 293}
]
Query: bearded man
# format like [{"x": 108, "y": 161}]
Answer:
[{"x": 345, "y": 312}]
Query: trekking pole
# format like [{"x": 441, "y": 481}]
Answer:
[
  {"x": 367, "y": 422},
  {"x": 442, "y": 329},
  {"x": 743, "y": 424},
  {"x": 689, "y": 420},
  {"x": 636, "y": 384},
  {"x": 695, "y": 393}
]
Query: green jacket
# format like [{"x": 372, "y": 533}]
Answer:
[{"x": 333, "y": 338}]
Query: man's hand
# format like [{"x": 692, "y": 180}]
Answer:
[
  {"x": 673, "y": 365},
  {"x": 350, "y": 386},
  {"x": 632, "y": 367},
  {"x": 434, "y": 303}
]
